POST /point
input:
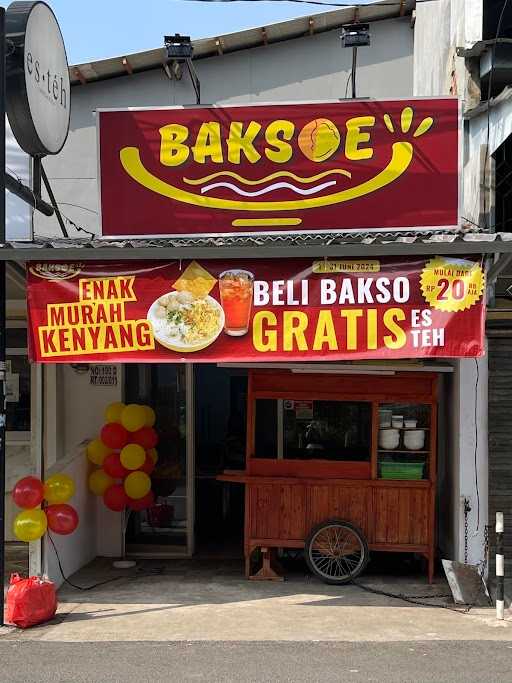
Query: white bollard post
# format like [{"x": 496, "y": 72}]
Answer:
[{"x": 500, "y": 568}]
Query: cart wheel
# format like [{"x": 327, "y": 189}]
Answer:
[{"x": 336, "y": 551}]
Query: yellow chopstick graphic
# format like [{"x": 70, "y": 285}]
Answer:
[{"x": 253, "y": 222}]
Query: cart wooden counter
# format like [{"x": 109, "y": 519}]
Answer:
[{"x": 286, "y": 497}]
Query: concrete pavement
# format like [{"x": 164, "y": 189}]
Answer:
[{"x": 179, "y": 601}]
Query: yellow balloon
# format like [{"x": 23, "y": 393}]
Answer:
[
  {"x": 150, "y": 416},
  {"x": 153, "y": 454},
  {"x": 59, "y": 489},
  {"x": 132, "y": 456},
  {"x": 137, "y": 485},
  {"x": 30, "y": 525},
  {"x": 99, "y": 482},
  {"x": 113, "y": 412},
  {"x": 97, "y": 451},
  {"x": 133, "y": 417}
]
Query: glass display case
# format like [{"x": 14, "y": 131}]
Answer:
[
  {"x": 327, "y": 430},
  {"x": 404, "y": 437}
]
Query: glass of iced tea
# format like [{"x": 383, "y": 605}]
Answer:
[{"x": 236, "y": 289}]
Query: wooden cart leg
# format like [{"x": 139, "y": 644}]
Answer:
[
  {"x": 266, "y": 573},
  {"x": 248, "y": 565}
]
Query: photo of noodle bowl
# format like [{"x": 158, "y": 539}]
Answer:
[{"x": 186, "y": 322}]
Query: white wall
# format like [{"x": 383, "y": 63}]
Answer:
[
  {"x": 500, "y": 128},
  {"x": 465, "y": 433},
  {"x": 79, "y": 548},
  {"x": 440, "y": 28},
  {"x": 74, "y": 415},
  {"x": 310, "y": 68},
  {"x": 17, "y": 465}
]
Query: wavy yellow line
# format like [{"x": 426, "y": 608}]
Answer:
[{"x": 272, "y": 176}]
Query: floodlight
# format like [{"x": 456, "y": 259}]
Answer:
[
  {"x": 178, "y": 47},
  {"x": 355, "y": 35}
]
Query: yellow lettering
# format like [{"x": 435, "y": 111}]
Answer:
[
  {"x": 172, "y": 150},
  {"x": 351, "y": 314},
  {"x": 208, "y": 143},
  {"x": 264, "y": 339},
  {"x": 85, "y": 289},
  {"x": 325, "y": 332},
  {"x": 355, "y": 137},
  {"x": 276, "y": 134},
  {"x": 85, "y": 339},
  {"x": 295, "y": 324},
  {"x": 371, "y": 328},
  {"x": 239, "y": 142},
  {"x": 55, "y": 313},
  {"x": 397, "y": 338},
  {"x": 107, "y": 290}
]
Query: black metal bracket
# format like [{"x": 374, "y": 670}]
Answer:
[
  {"x": 27, "y": 194},
  {"x": 180, "y": 50},
  {"x": 52, "y": 199},
  {"x": 195, "y": 80}
]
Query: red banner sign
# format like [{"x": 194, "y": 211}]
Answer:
[
  {"x": 350, "y": 165},
  {"x": 294, "y": 309}
]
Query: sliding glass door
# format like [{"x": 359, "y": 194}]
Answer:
[{"x": 166, "y": 528}]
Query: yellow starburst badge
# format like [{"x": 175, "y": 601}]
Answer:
[{"x": 452, "y": 284}]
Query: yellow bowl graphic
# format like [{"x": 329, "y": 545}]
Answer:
[{"x": 319, "y": 139}]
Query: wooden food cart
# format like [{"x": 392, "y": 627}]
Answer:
[{"x": 323, "y": 482}]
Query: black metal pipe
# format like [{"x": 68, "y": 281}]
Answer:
[
  {"x": 36, "y": 175},
  {"x": 54, "y": 202},
  {"x": 2, "y": 309},
  {"x": 30, "y": 196},
  {"x": 354, "y": 69}
]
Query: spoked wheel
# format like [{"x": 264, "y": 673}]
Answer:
[{"x": 336, "y": 551}]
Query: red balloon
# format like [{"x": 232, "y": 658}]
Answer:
[
  {"x": 62, "y": 518},
  {"x": 28, "y": 493},
  {"x": 145, "y": 437},
  {"x": 141, "y": 503},
  {"x": 113, "y": 466},
  {"x": 115, "y": 498},
  {"x": 148, "y": 465},
  {"x": 114, "y": 435}
]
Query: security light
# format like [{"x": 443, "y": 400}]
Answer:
[
  {"x": 178, "y": 47},
  {"x": 179, "y": 51},
  {"x": 355, "y": 35}
]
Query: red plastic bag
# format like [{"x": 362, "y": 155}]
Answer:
[{"x": 30, "y": 601}]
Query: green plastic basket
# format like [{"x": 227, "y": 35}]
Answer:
[{"x": 401, "y": 470}]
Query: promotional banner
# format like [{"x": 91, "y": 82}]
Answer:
[
  {"x": 250, "y": 310},
  {"x": 352, "y": 165}
]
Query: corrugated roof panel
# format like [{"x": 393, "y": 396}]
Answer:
[{"x": 205, "y": 47}]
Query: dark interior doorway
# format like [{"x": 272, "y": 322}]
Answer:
[{"x": 220, "y": 420}]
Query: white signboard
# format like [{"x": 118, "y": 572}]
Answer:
[{"x": 38, "y": 87}]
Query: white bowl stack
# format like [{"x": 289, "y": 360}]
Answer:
[{"x": 389, "y": 439}]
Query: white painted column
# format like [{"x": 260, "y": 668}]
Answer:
[
  {"x": 35, "y": 555},
  {"x": 472, "y": 421}
]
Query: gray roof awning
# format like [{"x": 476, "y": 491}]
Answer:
[
  {"x": 298, "y": 27},
  {"x": 259, "y": 246}
]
